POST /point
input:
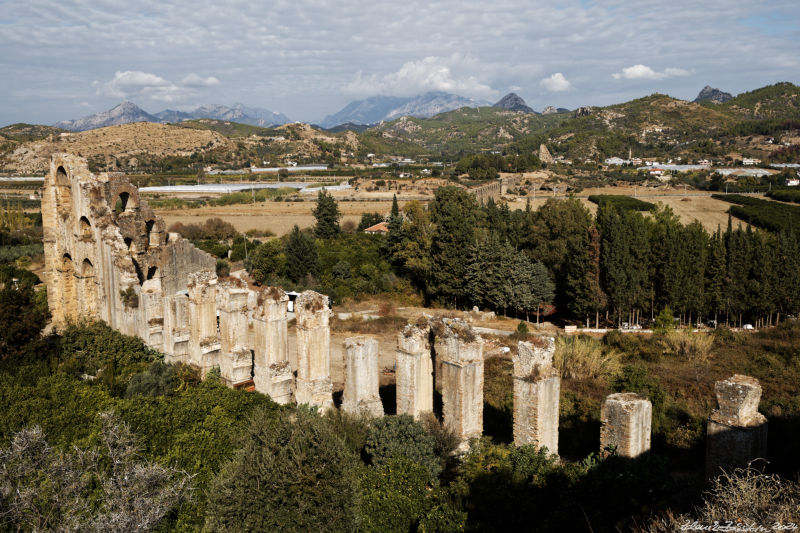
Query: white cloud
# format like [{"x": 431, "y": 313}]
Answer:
[
  {"x": 195, "y": 80},
  {"x": 556, "y": 83},
  {"x": 131, "y": 84},
  {"x": 429, "y": 74},
  {"x": 643, "y": 72}
]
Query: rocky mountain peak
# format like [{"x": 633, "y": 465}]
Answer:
[
  {"x": 513, "y": 102},
  {"x": 710, "y": 94}
]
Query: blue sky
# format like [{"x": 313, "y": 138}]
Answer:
[{"x": 69, "y": 58}]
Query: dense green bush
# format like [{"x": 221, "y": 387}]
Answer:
[
  {"x": 398, "y": 436},
  {"x": 622, "y": 202},
  {"x": 292, "y": 473}
]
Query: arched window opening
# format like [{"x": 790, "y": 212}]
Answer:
[
  {"x": 85, "y": 229},
  {"x": 63, "y": 192},
  {"x": 69, "y": 296},
  {"x": 152, "y": 272},
  {"x": 88, "y": 289},
  {"x": 121, "y": 204},
  {"x": 152, "y": 237}
]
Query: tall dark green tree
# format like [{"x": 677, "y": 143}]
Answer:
[
  {"x": 327, "y": 214},
  {"x": 301, "y": 255},
  {"x": 453, "y": 214},
  {"x": 394, "y": 238},
  {"x": 715, "y": 276}
]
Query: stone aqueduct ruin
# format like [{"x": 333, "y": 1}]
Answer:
[{"x": 109, "y": 257}]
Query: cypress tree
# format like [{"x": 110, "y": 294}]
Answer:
[
  {"x": 327, "y": 214},
  {"x": 301, "y": 255},
  {"x": 453, "y": 214}
]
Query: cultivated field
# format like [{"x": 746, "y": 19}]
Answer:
[{"x": 279, "y": 217}]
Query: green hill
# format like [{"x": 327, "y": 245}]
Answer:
[
  {"x": 778, "y": 101},
  {"x": 229, "y": 129}
]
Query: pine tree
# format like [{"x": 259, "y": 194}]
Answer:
[
  {"x": 327, "y": 214},
  {"x": 394, "y": 238}
]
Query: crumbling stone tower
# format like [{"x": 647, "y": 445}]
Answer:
[
  {"x": 314, "y": 385},
  {"x": 361, "y": 377},
  {"x": 107, "y": 256},
  {"x": 626, "y": 420},
  {"x": 537, "y": 386},
  {"x": 414, "y": 372},
  {"x": 460, "y": 351},
  {"x": 737, "y": 432}
]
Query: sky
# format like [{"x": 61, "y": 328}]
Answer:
[{"x": 64, "y": 59}]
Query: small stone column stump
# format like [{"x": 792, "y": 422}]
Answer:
[
  {"x": 626, "y": 420},
  {"x": 737, "y": 432}
]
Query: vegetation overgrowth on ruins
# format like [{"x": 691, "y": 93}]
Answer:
[{"x": 234, "y": 460}]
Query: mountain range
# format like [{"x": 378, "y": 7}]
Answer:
[
  {"x": 384, "y": 108},
  {"x": 128, "y": 112}
]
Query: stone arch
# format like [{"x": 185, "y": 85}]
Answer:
[
  {"x": 63, "y": 191},
  {"x": 85, "y": 229},
  {"x": 122, "y": 203},
  {"x": 152, "y": 272},
  {"x": 66, "y": 281},
  {"x": 152, "y": 236},
  {"x": 88, "y": 289}
]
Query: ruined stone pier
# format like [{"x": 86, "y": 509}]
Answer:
[
  {"x": 737, "y": 432},
  {"x": 537, "y": 386},
  {"x": 361, "y": 377},
  {"x": 272, "y": 373},
  {"x": 414, "y": 372},
  {"x": 204, "y": 344},
  {"x": 314, "y": 385},
  {"x": 460, "y": 351},
  {"x": 625, "y": 424}
]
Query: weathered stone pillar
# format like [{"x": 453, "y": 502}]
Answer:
[
  {"x": 361, "y": 377},
  {"x": 737, "y": 432},
  {"x": 314, "y": 385},
  {"x": 625, "y": 424},
  {"x": 537, "y": 386},
  {"x": 460, "y": 351},
  {"x": 414, "y": 372},
  {"x": 236, "y": 359},
  {"x": 273, "y": 374},
  {"x": 204, "y": 345},
  {"x": 176, "y": 342}
]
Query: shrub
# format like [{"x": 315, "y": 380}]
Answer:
[
  {"x": 692, "y": 346},
  {"x": 293, "y": 473},
  {"x": 747, "y": 496},
  {"x": 393, "y": 495},
  {"x": 583, "y": 357},
  {"x": 401, "y": 436},
  {"x": 664, "y": 321},
  {"x": 159, "y": 379},
  {"x": 521, "y": 333}
]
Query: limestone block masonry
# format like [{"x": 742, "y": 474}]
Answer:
[
  {"x": 625, "y": 424},
  {"x": 361, "y": 377},
  {"x": 414, "y": 372},
  {"x": 737, "y": 432},
  {"x": 109, "y": 257},
  {"x": 537, "y": 387},
  {"x": 461, "y": 354},
  {"x": 314, "y": 385}
]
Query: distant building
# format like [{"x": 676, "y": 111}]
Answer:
[
  {"x": 615, "y": 161},
  {"x": 378, "y": 229},
  {"x": 792, "y": 182},
  {"x": 656, "y": 172},
  {"x": 751, "y": 161}
]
